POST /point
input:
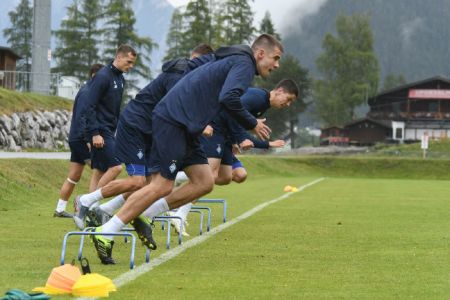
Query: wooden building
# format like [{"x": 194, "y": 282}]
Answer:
[
  {"x": 8, "y": 59},
  {"x": 405, "y": 114},
  {"x": 368, "y": 132}
]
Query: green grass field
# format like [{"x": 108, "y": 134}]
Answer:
[{"x": 373, "y": 229}]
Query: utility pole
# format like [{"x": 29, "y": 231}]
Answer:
[{"x": 41, "y": 54}]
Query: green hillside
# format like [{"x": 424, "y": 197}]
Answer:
[{"x": 12, "y": 101}]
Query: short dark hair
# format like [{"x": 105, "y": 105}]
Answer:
[
  {"x": 267, "y": 41},
  {"x": 125, "y": 49},
  {"x": 94, "y": 69},
  {"x": 203, "y": 49},
  {"x": 289, "y": 86}
]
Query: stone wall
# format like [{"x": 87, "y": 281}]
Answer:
[{"x": 39, "y": 129}]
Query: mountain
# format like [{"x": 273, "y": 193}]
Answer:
[{"x": 410, "y": 36}]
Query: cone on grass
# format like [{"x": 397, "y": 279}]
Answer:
[
  {"x": 93, "y": 285},
  {"x": 61, "y": 280},
  {"x": 287, "y": 188}
]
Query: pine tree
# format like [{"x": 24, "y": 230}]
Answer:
[
  {"x": 266, "y": 26},
  {"x": 69, "y": 44},
  {"x": 77, "y": 39},
  {"x": 119, "y": 29},
  {"x": 19, "y": 35},
  {"x": 198, "y": 19},
  {"x": 175, "y": 36},
  {"x": 238, "y": 22},
  {"x": 349, "y": 70}
]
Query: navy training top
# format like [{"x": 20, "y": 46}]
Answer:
[
  {"x": 198, "y": 97},
  {"x": 138, "y": 112},
  {"x": 78, "y": 122},
  {"x": 103, "y": 101},
  {"x": 257, "y": 102}
]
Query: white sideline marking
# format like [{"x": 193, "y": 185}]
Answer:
[{"x": 145, "y": 267}]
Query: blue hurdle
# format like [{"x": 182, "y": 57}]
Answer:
[
  {"x": 163, "y": 219},
  {"x": 90, "y": 229},
  {"x": 208, "y": 209},
  {"x": 222, "y": 201},
  {"x": 84, "y": 233}
]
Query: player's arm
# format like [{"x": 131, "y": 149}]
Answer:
[
  {"x": 237, "y": 82},
  {"x": 97, "y": 89}
]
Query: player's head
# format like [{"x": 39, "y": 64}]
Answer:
[
  {"x": 201, "y": 49},
  {"x": 267, "y": 51},
  {"x": 94, "y": 69},
  {"x": 284, "y": 93},
  {"x": 125, "y": 58}
]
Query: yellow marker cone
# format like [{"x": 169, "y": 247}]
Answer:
[
  {"x": 287, "y": 188},
  {"x": 93, "y": 285}
]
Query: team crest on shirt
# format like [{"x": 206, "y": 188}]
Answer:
[
  {"x": 173, "y": 166},
  {"x": 115, "y": 84},
  {"x": 218, "y": 149},
  {"x": 140, "y": 155}
]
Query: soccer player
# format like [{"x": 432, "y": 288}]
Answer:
[
  {"x": 102, "y": 112},
  {"x": 226, "y": 132},
  {"x": 180, "y": 118},
  {"x": 79, "y": 149}
]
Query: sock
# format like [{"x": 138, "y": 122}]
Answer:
[
  {"x": 112, "y": 226},
  {"x": 113, "y": 204},
  {"x": 94, "y": 205},
  {"x": 89, "y": 199},
  {"x": 156, "y": 209},
  {"x": 61, "y": 206},
  {"x": 183, "y": 211}
]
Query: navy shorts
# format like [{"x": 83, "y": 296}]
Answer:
[
  {"x": 103, "y": 158},
  {"x": 173, "y": 149},
  {"x": 217, "y": 146},
  {"x": 79, "y": 152},
  {"x": 133, "y": 149},
  {"x": 236, "y": 163}
]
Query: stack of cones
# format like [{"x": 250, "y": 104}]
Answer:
[
  {"x": 93, "y": 285},
  {"x": 61, "y": 280},
  {"x": 67, "y": 279}
]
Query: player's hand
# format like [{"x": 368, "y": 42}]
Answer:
[
  {"x": 208, "y": 131},
  {"x": 98, "y": 141},
  {"x": 246, "y": 144},
  {"x": 277, "y": 144},
  {"x": 235, "y": 149},
  {"x": 261, "y": 130}
]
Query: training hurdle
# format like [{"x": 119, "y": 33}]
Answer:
[
  {"x": 88, "y": 232},
  {"x": 91, "y": 229},
  {"x": 208, "y": 210},
  {"x": 167, "y": 219},
  {"x": 221, "y": 201}
]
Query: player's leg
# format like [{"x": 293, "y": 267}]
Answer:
[
  {"x": 238, "y": 171},
  {"x": 131, "y": 147},
  {"x": 224, "y": 174},
  {"x": 79, "y": 156}
]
